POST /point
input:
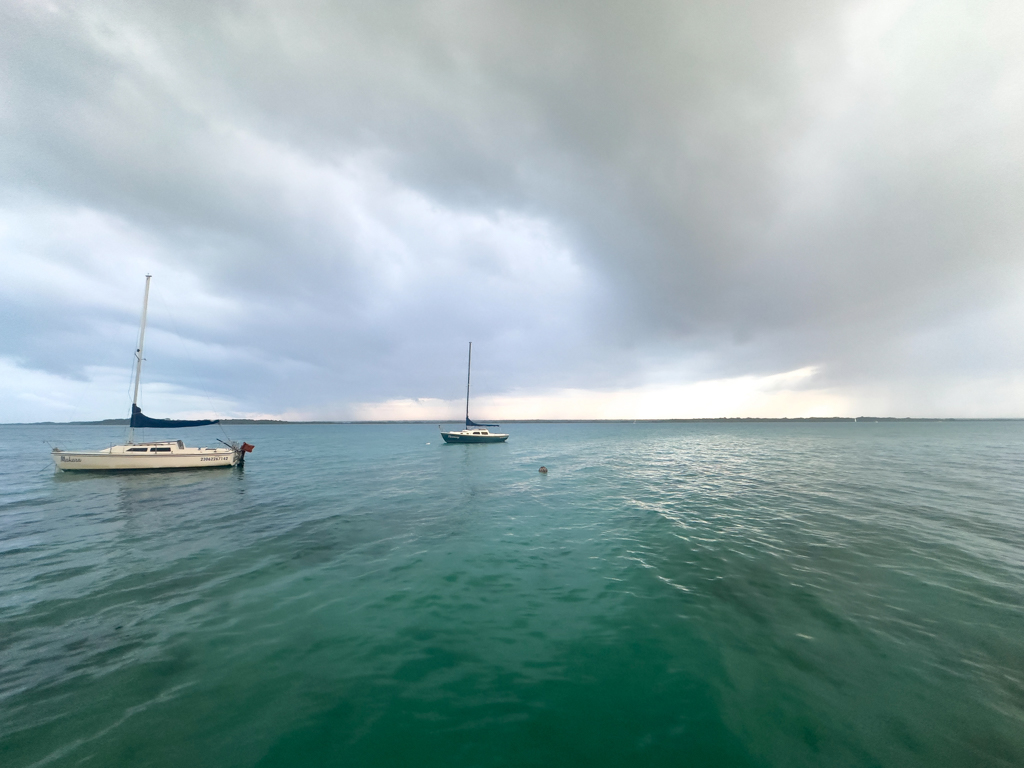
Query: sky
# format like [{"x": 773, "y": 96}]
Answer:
[{"x": 632, "y": 209}]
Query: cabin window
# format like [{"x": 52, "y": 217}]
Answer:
[
  {"x": 476, "y": 433},
  {"x": 136, "y": 450},
  {"x": 160, "y": 450}
]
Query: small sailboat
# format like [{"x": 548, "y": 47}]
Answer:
[
  {"x": 163, "y": 454},
  {"x": 473, "y": 433}
]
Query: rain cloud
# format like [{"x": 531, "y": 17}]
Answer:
[{"x": 634, "y": 202}]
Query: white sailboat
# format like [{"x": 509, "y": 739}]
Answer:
[
  {"x": 473, "y": 433},
  {"x": 162, "y": 454}
]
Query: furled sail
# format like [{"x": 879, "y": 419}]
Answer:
[
  {"x": 141, "y": 420},
  {"x": 469, "y": 367}
]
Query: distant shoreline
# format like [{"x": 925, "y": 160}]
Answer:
[{"x": 720, "y": 420}]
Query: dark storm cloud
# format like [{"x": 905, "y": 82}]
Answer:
[{"x": 337, "y": 195}]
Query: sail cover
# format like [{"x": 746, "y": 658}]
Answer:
[
  {"x": 471, "y": 424},
  {"x": 141, "y": 420}
]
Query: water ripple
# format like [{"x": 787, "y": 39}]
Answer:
[{"x": 729, "y": 594}]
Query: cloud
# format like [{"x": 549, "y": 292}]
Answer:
[{"x": 335, "y": 197}]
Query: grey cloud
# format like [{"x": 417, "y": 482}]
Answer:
[{"x": 741, "y": 187}]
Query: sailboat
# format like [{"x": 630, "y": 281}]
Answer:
[
  {"x": 163, "y": 454},
  {"x": 473, "y": 433}
]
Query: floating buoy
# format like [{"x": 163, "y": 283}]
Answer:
[{"x": 543, "y": 470}]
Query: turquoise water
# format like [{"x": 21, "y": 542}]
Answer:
[{"x": 669, "y": 594}]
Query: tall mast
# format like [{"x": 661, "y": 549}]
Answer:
[
  {"x": 469, "y": 367},
  {"x": 138, "y": 353}
]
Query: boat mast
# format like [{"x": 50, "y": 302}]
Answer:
[
  {"x": 138, "y": 355},
  {"x": 469, "y": 367}
]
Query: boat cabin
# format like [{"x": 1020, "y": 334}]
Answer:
[{"x": 164, "y": 446}]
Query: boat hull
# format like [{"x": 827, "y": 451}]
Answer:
[
  {"x": 99, "y": 461},
  {"x": 456, "y": 437}
]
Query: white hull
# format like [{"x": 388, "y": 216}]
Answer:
[{"x": 147, "y": 456}]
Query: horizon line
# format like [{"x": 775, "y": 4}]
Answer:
[{"x": 706, "y": 419}]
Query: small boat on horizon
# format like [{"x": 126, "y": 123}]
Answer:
[
  {"x": 473, "y": 433},
  {"x": 161, "y": 454}
]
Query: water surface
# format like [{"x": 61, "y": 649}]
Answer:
[{"x": 668, "y": 594}]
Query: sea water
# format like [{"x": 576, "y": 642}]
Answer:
[{"x": 755, "y": 594}]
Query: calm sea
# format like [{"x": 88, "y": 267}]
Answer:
[{"x": 667, "y": 595}]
